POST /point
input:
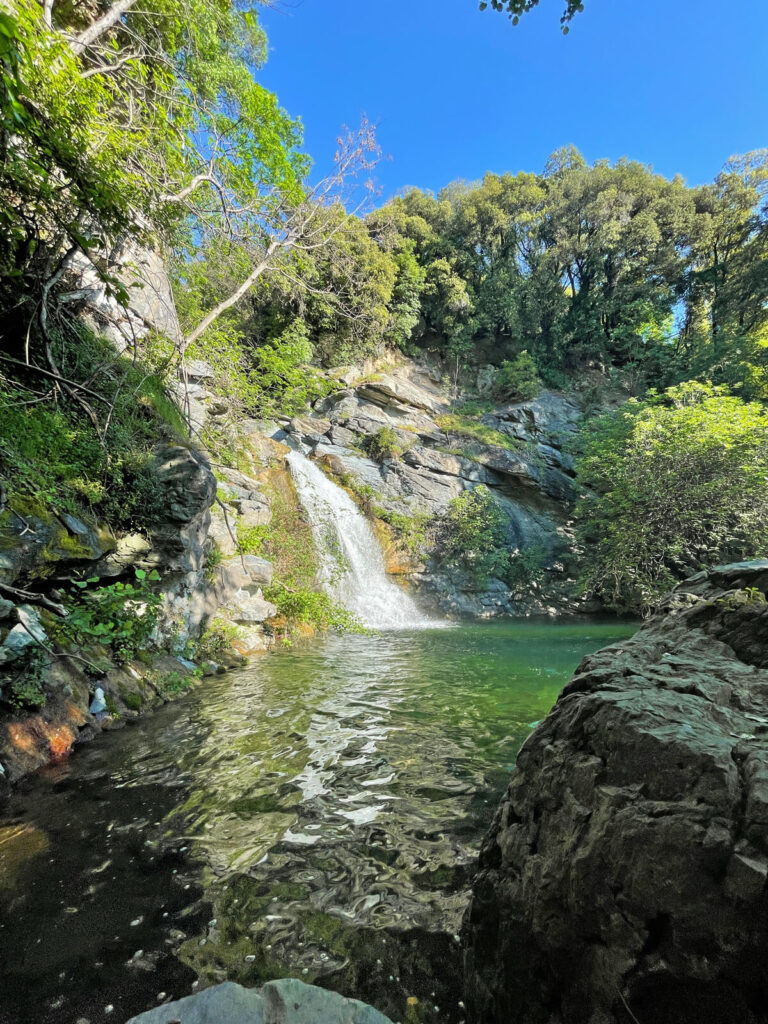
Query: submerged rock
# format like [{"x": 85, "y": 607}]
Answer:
[
  {"x": 624, "y": 875},
  {"x": 287, "y": 1001}
]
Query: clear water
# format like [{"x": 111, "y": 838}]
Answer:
[
  {"x": 351, "y": 563},
  {"x": 323, "y": 807}
]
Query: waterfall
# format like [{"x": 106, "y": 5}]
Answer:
[{"x": 351, "y": 562}]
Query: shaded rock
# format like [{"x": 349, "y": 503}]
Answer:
[
  {"x": 37, "y": 543},
  {"x": 308, "y": 431},
  {"x": 550, "y": 414},
  {"x": 528, "y": 471},
  {"x": 342, "y": 437},
  {"x": 188, "y": 488},
  {"x": 627, "y": 864},
  {"x": 286, "y": 1001},
  {"x": 450, "y": 465}
]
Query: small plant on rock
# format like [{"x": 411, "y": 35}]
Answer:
[
  {"x": 474, "y": 536},
  {"x": 384, "y": 445},
  {"x": 518, "y": 379}
]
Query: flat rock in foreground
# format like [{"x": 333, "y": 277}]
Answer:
[
  {"x": 286, "y": 1001},
  {"x": 624, "y": 875}
]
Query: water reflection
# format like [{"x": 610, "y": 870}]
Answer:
[{"x": 327, "y": 802}]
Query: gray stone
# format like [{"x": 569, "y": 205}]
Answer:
[
  {"x": 286, "y": 1001},
  {"x": 248, "y": 485},
  {"x": 187, "y": 488},
  {"x": 308, "y": 430},
  {"x": 75, "y": 525},
  {"x": 390, "y": 390},
  {"x": 342, "y": 437},
  {"x": 253, "y": 513},
  {"x": 227, "y": 1003},
  {"x": 198, "y": 369},
  {"x": 628, "y": 863},
  {"x": 245, "y": 606}
]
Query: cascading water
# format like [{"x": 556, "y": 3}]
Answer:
[{"x": 352, "y": 566}]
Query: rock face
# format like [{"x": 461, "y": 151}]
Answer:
[
  {"x": 528, "y": 470},
  {"x": 286, "y": 1001},
  {"x": 624, "y": 875}
]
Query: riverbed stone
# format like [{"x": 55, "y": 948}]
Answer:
[
  {"x": 285, "y": 1001},
  {"x": 627, "y": 865}
]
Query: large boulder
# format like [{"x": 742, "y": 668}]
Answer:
[
  {"x": 287, "y": 1001},
  {"x": 624, "y": 875}
]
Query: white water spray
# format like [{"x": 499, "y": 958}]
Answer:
[{"x": 351, "y": 562}]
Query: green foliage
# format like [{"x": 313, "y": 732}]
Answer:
[
  {"x": 214, "y": 556},
  {"x": 120, "y": 615},
  {"x": 747, "y": 597},
  {"x": 132, "y": 700},
  {"x": 217, "y": 639},
  {"x": 173, "y": 683},
  {"x": 525, "y": 567},
  {"x": 517, "y": 379},
  {"x": 671, "y": 485},
  {"x": 474, "y": 536},
  {"x": 305, "y": 607},
  {"x": 412, "y": 530},
  {"x": 53, "y": 453},
  {"x": 474, "y": 430},
  {"x": 383, "y": 445},
  {"x": 26, "y": 689}
]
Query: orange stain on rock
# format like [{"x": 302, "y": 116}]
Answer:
[
  {"x": 22, "y": 736},
  {"x": 35, "y": 735},
  {"x": 60, "y": 740}
]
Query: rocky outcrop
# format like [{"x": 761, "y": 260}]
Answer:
[
  {"x": 625, "y": 874},
  {"x": 527, "y": 467},
  {"x": 287, "y": 1001}
]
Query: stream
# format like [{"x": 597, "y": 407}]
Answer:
[{"x": 317, "y": 814}]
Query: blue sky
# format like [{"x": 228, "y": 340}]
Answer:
[{"x": 680, "y": 84}]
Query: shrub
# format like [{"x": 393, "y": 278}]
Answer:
[
  {"x": 217, "y": 638},
  {"x": 526, "y": 567},
  {"x": 671, "y": 485},
  {"x": 121, "y": 615},
  {"x": 383, "y": 445},
  {"x": 312, "y": 608},
  {"x": 517, "y": 379},
  {"x": 473, "y": 536}
]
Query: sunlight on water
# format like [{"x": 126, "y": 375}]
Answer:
[{"x": 328, "y": 802}]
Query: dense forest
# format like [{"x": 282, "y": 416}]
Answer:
[{"x": 146, "y": 126}]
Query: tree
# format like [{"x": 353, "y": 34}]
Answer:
[
  {"x": 671, "y": 485},
  {"x": 516, "y": 8}
]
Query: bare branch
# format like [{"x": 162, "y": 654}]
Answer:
[{"x": 103, "y": 24}]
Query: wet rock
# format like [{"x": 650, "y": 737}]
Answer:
[
  {"x": 287, "y": 1001},
  {"x": 627, "y": 864}
]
